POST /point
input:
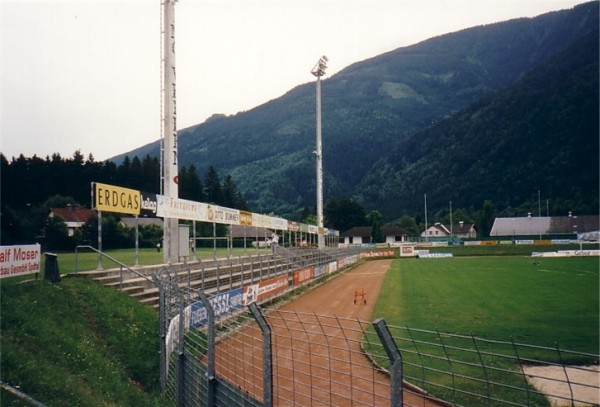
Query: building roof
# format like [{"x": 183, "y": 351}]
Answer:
[
  {"x": 461, "y": 227},
  {"x": 73, "y": 215},
  {"x": 393, "y": 231},
  {"x": 357, "y": 231},
  {"x": 366, "y": 231},
  {"x": 250, "y": 232},
  {"x": 545, "y": 225},
  {"x": 458, "y": 228},
  {"x": 576, "y": 224},
  {"x": 440, "y": 227}
]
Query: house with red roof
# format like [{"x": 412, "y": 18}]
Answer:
[{"x": 74, "y": 218}]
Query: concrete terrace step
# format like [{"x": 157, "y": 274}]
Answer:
[
  {"x": 133, "y": 290},
  {"x": 150, "y": 301}
]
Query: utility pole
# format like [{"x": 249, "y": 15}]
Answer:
[
  {"x": 425, "y": 198},
  {"x": 451, "y": 219}
]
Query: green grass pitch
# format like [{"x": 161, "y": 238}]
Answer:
[
  {"x": 537, "y": 301},
  {"x": 547, "y": 302}
]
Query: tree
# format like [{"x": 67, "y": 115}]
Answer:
[
  {"x": 124, "y": 173},
  {"x": 409, "y": 224},
  {"x": 212, "y": 187},
  {"x": 56, "y": 235},
  {"x": 193, "y": 186},
  {"x": 486, "y": 219},
  {"x": 88, "y": 234},
  {"x": 458, "y": 215},
  {"x": 344, "y": 213},
  {"x": 150, "y": 235},
  {"x": 307, "y": 215},
  {"x": 229, "y": 193},
  {"x": 232, "y": 198},
  {"x": 376, "y": 220},
  {"x": 114, "y": 235},
  {"x": 151, "y": 174}
]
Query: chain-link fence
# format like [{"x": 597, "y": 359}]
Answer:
[{"x": 224, "y": 350}]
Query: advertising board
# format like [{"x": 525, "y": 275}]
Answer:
[
  {"x": 168, "y": 207},
  {"x": 222, "y": 303},
  {"x": 264, "y": 289},
  {"x": 110, "y": 198},
  {"x": 19, "y": 260},
  {"x": 223, "y": 215},
  {"x": 306, "y": 274}
]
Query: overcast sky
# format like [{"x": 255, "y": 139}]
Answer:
[{"x": 85, "y": 74}]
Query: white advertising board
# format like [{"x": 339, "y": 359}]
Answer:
[
  {"x": 168, "y": 207},
  {"x": 221, "y": 214},
  {"x": 19, "y": 260}
]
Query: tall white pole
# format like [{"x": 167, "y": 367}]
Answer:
[
  {"x": 319, "y": 154},
  {"x": 169, "y": 130},
  {"x": 318, "y": 71}
]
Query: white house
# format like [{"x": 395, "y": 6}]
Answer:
[
  {"x": 362, "y": 235},
  {"x": 74, "y": 218},
  {"x": 461, "y": 229}
]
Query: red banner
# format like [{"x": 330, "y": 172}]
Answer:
[{"x": 303, "y": 275}]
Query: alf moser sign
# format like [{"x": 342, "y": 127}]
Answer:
[{"x": 19, "y": 260}]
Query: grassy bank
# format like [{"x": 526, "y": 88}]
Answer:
[{"x": 77, "y": 343}]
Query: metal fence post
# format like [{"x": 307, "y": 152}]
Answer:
[
  {"x": 210, "y": 351},
  {"x": 180, "y": 352},
  {"x": 396, "y": 361},
  {"x": 267, "y": 355},
  {"x": 162, "y": 333}
]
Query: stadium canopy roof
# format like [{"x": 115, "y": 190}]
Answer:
[{"x": 545, "y": 225}]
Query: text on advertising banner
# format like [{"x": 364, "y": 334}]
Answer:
[
  {"x": 222, "y": 303},
  {"x": 19, "y": 260},
  {"x": 220, "y": 214},
  {"x": 245, "y": 218},
  {"x": 109, "y": 198},
  {"x": 181, "y": 209}
]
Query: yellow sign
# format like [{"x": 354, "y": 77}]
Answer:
[
  {"x": 109, "y": 198},
  {"x": 245, "y": 218}
]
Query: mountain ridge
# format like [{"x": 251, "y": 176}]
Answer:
[{"x": 536, "y": 127}]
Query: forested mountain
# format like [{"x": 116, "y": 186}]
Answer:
[
  {"x": 539, "y": 134},
  {"x": 493, "y": 112}
]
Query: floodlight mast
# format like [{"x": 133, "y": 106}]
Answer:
[
  {"x": 169, "y": 170},
  {"x": 318, "y": 71}
]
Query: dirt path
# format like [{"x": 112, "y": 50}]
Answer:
[
  {"x": 337, "y": 296},
  {"x": 554, "y": 382},
  {"x": 317, "y": 356}
]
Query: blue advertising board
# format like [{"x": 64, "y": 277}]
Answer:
[{"x": 222, "y": 303}]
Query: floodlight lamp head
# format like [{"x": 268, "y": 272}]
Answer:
[{"x": 319, "y": 69}]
